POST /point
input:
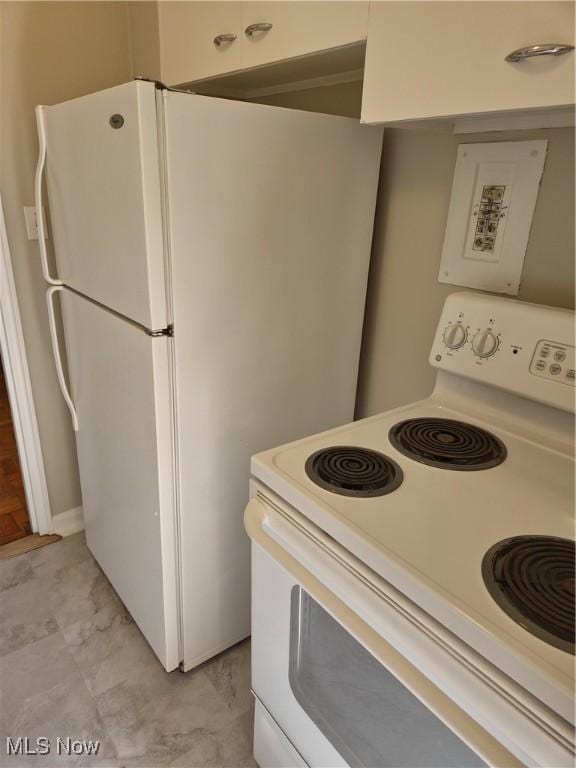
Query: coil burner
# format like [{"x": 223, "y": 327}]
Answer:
[
  {"x": 532, "y": 580},
  {"x": 353, "y": 471},
  {"x": 447, "y": 444}
]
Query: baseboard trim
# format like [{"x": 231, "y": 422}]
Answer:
[{"x": 68, "y": 522}]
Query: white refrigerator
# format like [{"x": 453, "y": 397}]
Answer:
[{"x": 211, "y": 261}]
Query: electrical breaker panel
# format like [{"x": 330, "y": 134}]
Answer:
[{"x": 493, "y": 199}]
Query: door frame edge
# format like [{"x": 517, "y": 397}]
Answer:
[{"x": 15, "y": 364}]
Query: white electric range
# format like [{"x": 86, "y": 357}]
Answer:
[{"x": 413, "y": 573}]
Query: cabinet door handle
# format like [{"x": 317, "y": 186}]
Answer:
[
  {"x": 262, "y": 26},
  {"x": 228, "y": 37},
  {"x": 544, "y": 49}
]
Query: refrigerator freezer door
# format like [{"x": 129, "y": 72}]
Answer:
[
  {"x": 103, "y": 179},
  {"x": 271, "y": 214},
  {"x": 120, "y": 386}
]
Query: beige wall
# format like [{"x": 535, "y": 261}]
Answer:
[
  {"x": 50, "y": 51},
  {"x": 144, "y": 38},
  {"x": 404, "y": 296}
]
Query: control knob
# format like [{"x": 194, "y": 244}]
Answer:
[
  {"x": 455, "y": 336},
  {"x": 485, "y": 343}
]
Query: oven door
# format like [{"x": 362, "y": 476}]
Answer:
[{"x": 336, "y": 689}]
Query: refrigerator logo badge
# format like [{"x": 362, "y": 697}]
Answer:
[{"x": 116, "y": 121}]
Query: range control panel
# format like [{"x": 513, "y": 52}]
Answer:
[
  {"x": 524, "y": 348},
  {"x": 555, "y": 361}
]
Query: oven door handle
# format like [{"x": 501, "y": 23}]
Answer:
[{"x": 268, "y": 531}]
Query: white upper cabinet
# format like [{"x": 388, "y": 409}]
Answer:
[
  {"x": 179, "y": 42},
  {"x": 273, "y": 31},
  {"x": 199, "y": 40},
  {"x": 437, "y": 59}
]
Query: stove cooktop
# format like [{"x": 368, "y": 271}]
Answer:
[
  {"x": 429, "y": 536},
  {"x": 531, "y": 578}
]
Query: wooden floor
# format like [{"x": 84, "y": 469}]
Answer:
[{"x": 13, "y": 515}]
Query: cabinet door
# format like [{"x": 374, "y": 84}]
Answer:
[
  {"x": 188, "y": 39},
  {"x": 430, "y": 59},
  {"x": 299, "y": 28}
]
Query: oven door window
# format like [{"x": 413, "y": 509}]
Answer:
[{"x": 359, "y": 706}]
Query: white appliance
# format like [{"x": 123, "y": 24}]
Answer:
[
  {"x": 413, "y": 573},
  {"x": 211, "y": 260}
]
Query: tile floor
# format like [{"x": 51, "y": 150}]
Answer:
[{"x": 73, "y": 663}]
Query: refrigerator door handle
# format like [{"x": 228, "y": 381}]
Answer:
[
  {"x": 38, "y": 196},
  {"x": 56, "y": 351}
]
